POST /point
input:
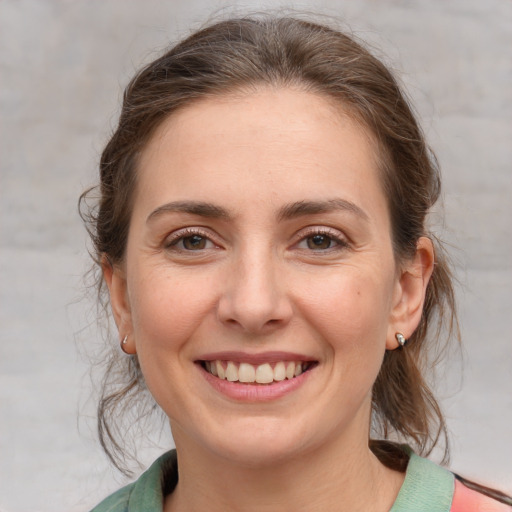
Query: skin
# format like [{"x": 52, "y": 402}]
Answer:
[{"x": 255, "y": 282}]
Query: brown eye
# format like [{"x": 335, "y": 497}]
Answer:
[
  {"x": 317, "y": 242},
  {"x": 194, "y": 242}
]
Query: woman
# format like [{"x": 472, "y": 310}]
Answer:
[{"x": 261, "y": 231}]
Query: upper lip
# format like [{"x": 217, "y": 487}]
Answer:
[{"x": 256, "y": 359}]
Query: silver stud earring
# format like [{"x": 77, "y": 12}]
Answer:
[
  {"x": 124, "y": 343},
  {"x": 401, "y": 339}
]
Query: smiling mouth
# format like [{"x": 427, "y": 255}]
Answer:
[{"x": 266, "y": 373}]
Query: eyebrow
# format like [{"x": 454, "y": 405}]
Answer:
[
  {"x": 287, "y": 212},
  {"x": 192, "y": 207},
  {"x": 301, "y": 208}
]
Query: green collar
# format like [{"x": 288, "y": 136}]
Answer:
[{"x": 426, "y": 488}]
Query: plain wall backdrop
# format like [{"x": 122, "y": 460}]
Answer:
[{"x": 62, "y": 68}]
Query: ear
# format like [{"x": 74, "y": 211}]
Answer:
[
  {"x": 410, "y": 293},
  {"x": 115, "y": 278}
]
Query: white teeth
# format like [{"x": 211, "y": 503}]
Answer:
[
  {"x": 290, "y": 370},
  {"x": 246, "y": 373},
  {"x": 220, "y": 370},
  {"x": 264, "y": 374},
  {"x": 231, "y": 372},
  {"x": 279, "y": 371},
  {"x": 261, "y": 374}
]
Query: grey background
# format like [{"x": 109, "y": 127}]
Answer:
[{"x": 62, "y": 66}]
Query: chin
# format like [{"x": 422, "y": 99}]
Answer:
[
  {"x": 264, "y": 444},
  {"x": 258, "y": 454}
]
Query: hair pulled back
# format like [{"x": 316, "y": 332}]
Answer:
[{"x": 245, "y": 53}]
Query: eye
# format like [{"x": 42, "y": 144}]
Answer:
[
  {"x": 189, "y": 240},
  {"x": 194, "y": 242},
  {"x": 322, "y": 240},
  {"x": 316, "y": 242}
]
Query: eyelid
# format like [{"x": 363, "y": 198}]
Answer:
[
  {"x": 321, "y": 230},
  {"x": 335, "y": 234},
  {"x": 174, "y": 237}
]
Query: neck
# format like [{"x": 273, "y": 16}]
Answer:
[{"x": 326, "y": 478}]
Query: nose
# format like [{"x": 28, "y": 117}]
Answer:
[{"x": 254, "y": 297}]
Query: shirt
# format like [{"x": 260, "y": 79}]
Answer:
[{"x": 426, "y": 488}]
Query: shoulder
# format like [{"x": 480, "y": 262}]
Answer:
[
  {"x": 117, "y": 502},
  {"x": 428, "y": 487},
  {"x": 471, "y": 500},
  {"x": 148, "y": 491},
  {"x": 425, "y": 485}
]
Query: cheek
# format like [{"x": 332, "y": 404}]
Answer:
[
  {"x": 166, "y": 309},
  {"x": 351, "y": 310}
]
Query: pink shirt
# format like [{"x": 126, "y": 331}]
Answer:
[{"x": 467, "y": 500}]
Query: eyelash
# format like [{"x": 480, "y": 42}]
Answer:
[
  {"x": 176, "y": 238},
  {"x": 333, "y": 235},
  {"x": 179, "y": 236}
]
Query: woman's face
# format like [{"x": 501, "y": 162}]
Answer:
[{"x": 260, "y": 248}]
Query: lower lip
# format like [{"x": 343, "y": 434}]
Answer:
[{"x": 255, "y": 392}]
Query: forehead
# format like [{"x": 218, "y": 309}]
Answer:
[
  {"x": 288, "y": 141},
  {"x": 278, "y": 110}
]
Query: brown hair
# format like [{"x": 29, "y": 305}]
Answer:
[{"x": 285, "y": 51}]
